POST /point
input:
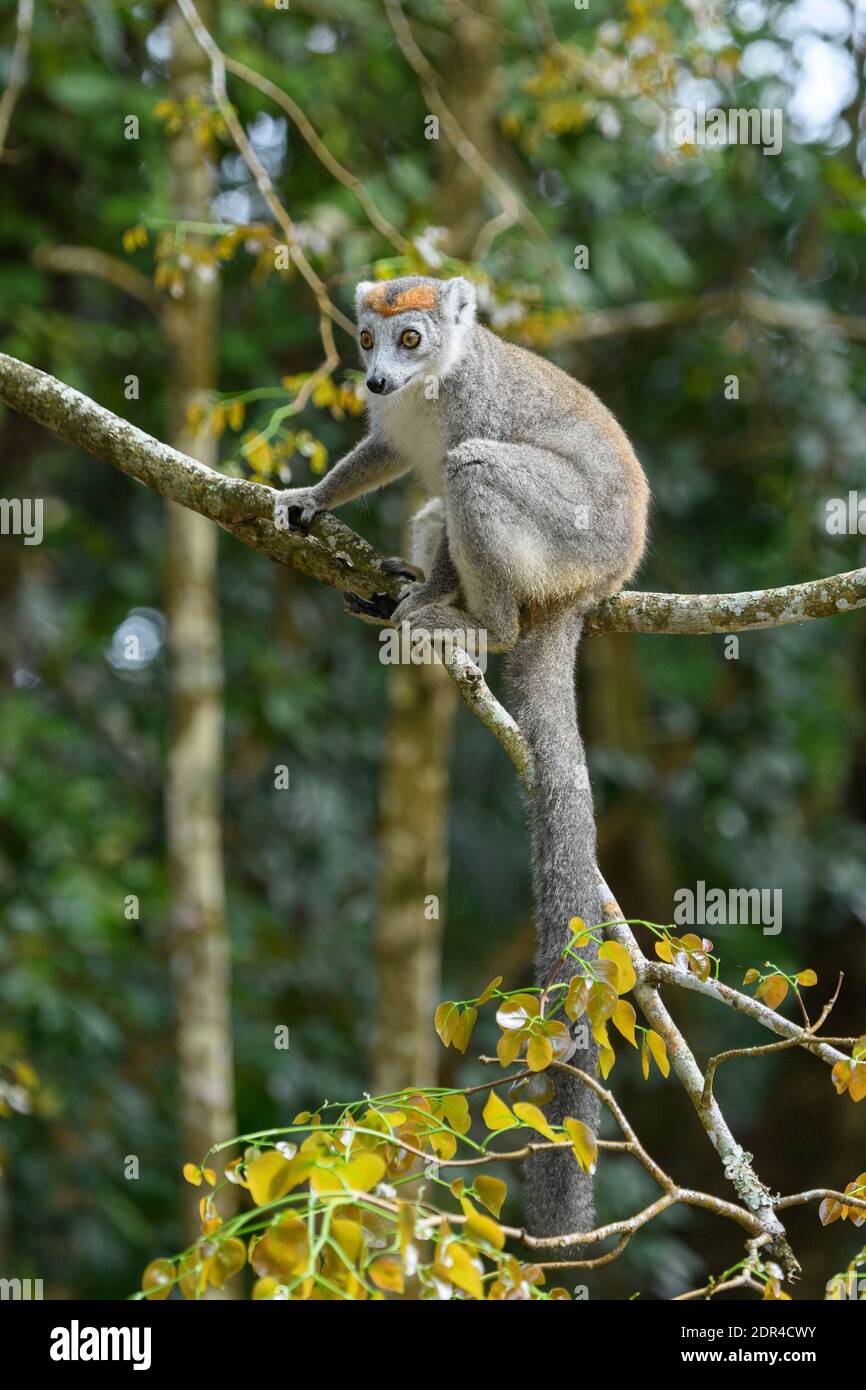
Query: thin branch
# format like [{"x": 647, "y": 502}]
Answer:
[
  {"x": 653, "y": 315},
  {"x": 100, "y": 265},
  {"x": 18, "y": 69},
  {"x": 328, "y": 312},
  {"x": 745, "y": 1279},
  {"x": 808, "y": 1033},
  {"x": 659, "y": 973},
  {"x": 514, "y": 210},
  {"x": 820, "y": 1194},
  {"x": 321, "y": 151},
  {"x": 737, "y": 1164}
]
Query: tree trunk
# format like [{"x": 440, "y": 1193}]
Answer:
[
  {"x": 470, "y": 87},
  {"x": 415, "y": 781},
  {"x": 414, "y": 858},
  {"x": 199, "y": 947}
]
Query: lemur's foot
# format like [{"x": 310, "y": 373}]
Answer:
[
  {"x": 376, "y": 606},
  {"x": 295, "y": 508},
  {"x": 403, "y": 569}
]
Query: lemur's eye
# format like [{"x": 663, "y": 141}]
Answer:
[
  {"x": 366, "y": 340},
  {"x": 410, "y": 338}
]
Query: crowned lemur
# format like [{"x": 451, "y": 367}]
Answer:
[{"x": 537, "y": 510}]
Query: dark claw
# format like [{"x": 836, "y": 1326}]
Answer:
[
  {"x": 402, "y": 569},
  {"x": 376, "y": 606},
  {"x": 294, "y": 516}
]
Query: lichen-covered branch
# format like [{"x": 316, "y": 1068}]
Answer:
[
  {"x": 337, "y": 556},
  {"x": 705, "y": 614}
]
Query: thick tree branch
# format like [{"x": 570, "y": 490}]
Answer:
[{"x": 336, "y": 556}]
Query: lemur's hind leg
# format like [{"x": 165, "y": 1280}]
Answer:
[
  {"x": 427, "y": 526},
  {"x": 526, "y": 520},
  {"x": 439, "y": 604}
]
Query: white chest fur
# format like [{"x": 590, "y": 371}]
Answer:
[{"x": 411, "y": 425}]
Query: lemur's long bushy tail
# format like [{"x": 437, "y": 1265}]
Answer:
[{"x": 558, "y": 1195}]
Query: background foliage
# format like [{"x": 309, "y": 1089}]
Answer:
[{"x": 740, "y": 773}]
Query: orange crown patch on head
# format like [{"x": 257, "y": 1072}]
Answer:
[{"x": 418, "y": 297}]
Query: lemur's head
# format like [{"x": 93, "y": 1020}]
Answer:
[{"x": 412, "y": 327}]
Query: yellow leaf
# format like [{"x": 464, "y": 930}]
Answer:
[
  {"x": 584, "y": 1144},
  {"x": 445, "y": 1020},
  {"x": 612, "y": 950},
  {"x": 624, "y": 1018},
  {"x": 458, "y": 1266},
  {"x": 656, "y": 1045},
  {"x": 157, "y": 1280},
  {"x": 841, "y": 1075},
  {"x": 606, "y": 1059},
  {"x": 455, "y": 1109},
  {"x": 236, "y": 414},
  {"x": 807, "y": 977},
  {"x": 463, "y": 1032},
  {"x": 359, "y": 1174},
  {"x": 229, "y": 1257},
  {"x": 319, "y": 458},
  {"x": 579, "y": 928},
  {"x": 489, "y": 992},
  {"x": 192, "y": 1173},
  {"x": 481, "y": 1227},
  {"x": 663, "y": 950},
  {"x": 577, "y": 997},
  {"x": 539, "y": 1053},
  {"x": 772, "y": 990},
  {"x": 517, "y": 1011},
  {"x": 532, "y": 1116},
  {"x": 290, "y": 1243},
  {"x": 386, "y": 1273},
  {"x": 491, "y": 1192},
  {"x": 271, "y": 1176},
  {"x": 508, "y": 1047},
  {"x": 857, "y": 1084},
  {"x": 350, "y": 1238},
  {"x": 496, "y": 1114}
]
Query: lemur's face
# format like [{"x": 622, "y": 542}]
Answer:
[
  {"x": 396, "y": 349},
  {"x": 411, "y": 329}
]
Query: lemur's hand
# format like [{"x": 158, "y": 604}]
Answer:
[{"x": 295, "y": 508}]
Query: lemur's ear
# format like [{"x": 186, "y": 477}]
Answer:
[
  {"x": 458, "y": 299},
  {"x": 361, "y": 292}
]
